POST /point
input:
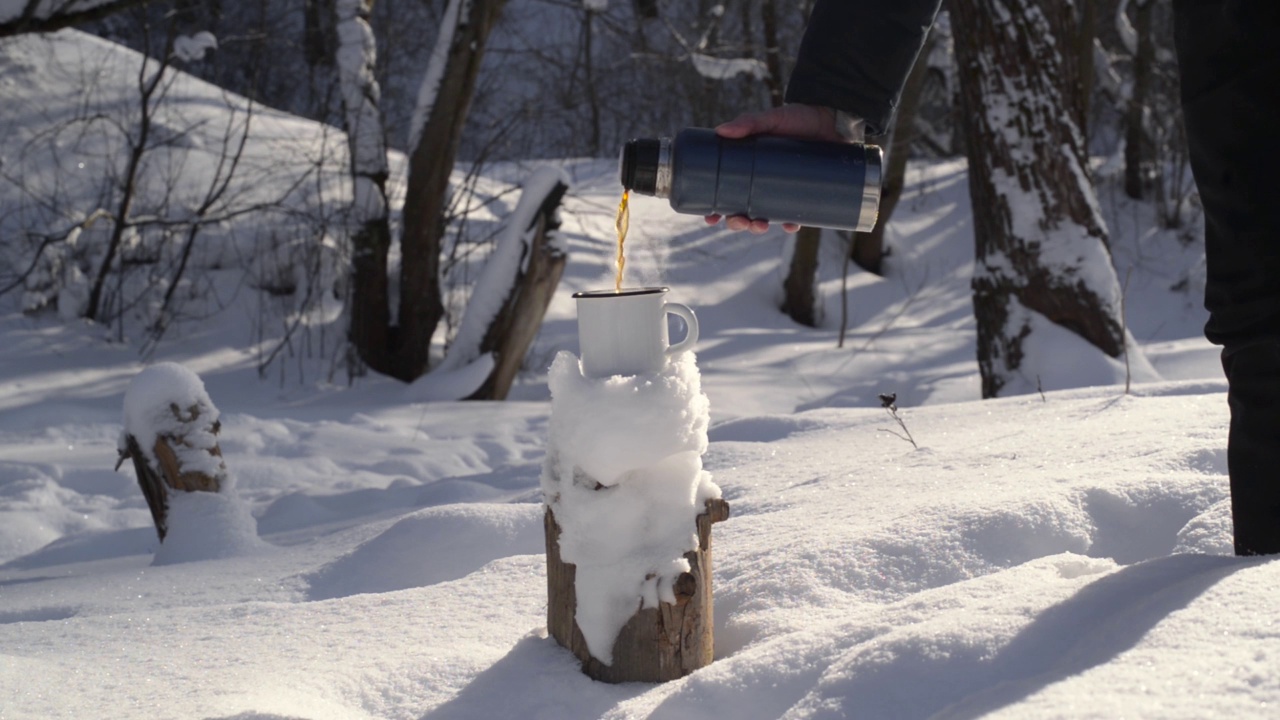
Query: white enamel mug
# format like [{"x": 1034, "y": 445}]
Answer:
[{"x": 625, "y": 332}]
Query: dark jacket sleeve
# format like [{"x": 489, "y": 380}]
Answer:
[{"x": 856, "y": 54}]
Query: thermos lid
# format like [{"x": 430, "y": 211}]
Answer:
[{"x": 639, "y": 165}]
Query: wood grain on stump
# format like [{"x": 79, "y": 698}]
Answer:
[{"x": 657, "y": 644}]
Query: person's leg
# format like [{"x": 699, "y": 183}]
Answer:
[
  {"x": 1229, "y": 61},
  {"x": 1253, "y": 449}
]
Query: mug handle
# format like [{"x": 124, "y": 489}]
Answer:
[{"x": 690, "y": 324}]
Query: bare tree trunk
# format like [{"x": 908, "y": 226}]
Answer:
[
  {"x": 646, "y": 9},
  {"x": 1137, "y": 142},
  {"x": 1067, "y": 20},
  {"x": 868, "y": 248},
  {"x": 799, "y": 294},
  {"x": 593, "y": 97},
  {"x": 319, "y": 34},
  {"x": 772, "y": 51},
  {"x": 319, "y": 50},
  {"x": 1086, "y": 33},
  {"x": 426, "y": 200},
  {"x": 1041, "y": 245},
  {"x": 799, "y": 299}
]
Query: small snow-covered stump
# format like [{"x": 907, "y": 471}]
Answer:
[
  {"x": 628, "y": 521},
  {"x": 171, "y": 434}
]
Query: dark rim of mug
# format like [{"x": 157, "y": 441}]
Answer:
[{"x": 620, "y": 293}]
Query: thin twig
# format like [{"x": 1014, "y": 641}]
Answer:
[{"x": 889, "y": 402}]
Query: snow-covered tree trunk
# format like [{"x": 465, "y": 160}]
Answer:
[
  {"x": 511, "y": 296},
  {"x": 1041, "y": 242},
  {"x": 371, "y": 237},
  {"x": 443, "y": 104}
]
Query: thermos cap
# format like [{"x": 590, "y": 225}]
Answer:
[{"x": 639, "y": 165}]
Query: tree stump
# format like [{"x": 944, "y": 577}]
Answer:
[
  {"x": 156, "y": 483},
  {"x": 657, "y": 644}
]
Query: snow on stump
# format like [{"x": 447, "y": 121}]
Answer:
[
  {"x": 628, "y": 521},
  {"x": 171, "y": 434}
]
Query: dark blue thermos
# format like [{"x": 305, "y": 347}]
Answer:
[{"x": 807, "y": 182}]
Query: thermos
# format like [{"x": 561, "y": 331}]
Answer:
[{"x": 807, "y": 182}]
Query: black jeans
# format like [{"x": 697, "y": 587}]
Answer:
[{"x": 1229, "y": 62}]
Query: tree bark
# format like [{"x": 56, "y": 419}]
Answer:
[
  {"x": 868, "y": 248},
  {"x": 1041, "y": 244},
  {"x": 1137, "y": 142},
  {"x": 427, "y": 197},
  {"x": 516, "y": 325},
  {"x": 799, "y": 295},
  {"x": 645, "y": 9},
  {"x": 589, "y": 80},
  {"x": 1066, "y": 21},
  {"x": 772, "y": 51},
  {"x": 1086, "y": 33},
  {"x": 319, "y": 34},
  {"x": 656, "y": 644}
]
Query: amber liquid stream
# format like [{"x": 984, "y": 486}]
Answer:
[{"x": 621, "y": 223}]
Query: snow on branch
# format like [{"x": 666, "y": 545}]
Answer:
[
  {"x": 454, "y": 16},
  {"x": 1124, "y": 28},
  {"x": 714, "y": 68},
  {"x": 192, "y": 48}
]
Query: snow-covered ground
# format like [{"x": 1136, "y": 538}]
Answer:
[{"x": 1059, "y": 554}]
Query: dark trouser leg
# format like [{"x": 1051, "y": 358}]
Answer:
[
  {"x": 1229, "y": 61},
  {"x": 1253, "y": 449}
]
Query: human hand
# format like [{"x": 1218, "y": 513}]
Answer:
[{"x": 805, "y": 122}]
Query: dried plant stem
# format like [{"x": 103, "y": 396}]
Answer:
[{"x": 905, "y": 434}]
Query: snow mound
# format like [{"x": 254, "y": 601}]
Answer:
[
  {"x": 432, "y": 546},
  {"x": 761, "y": 429},
  {"x": 208, "y": 526},
  {"x": 1208, "y": 533}
]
